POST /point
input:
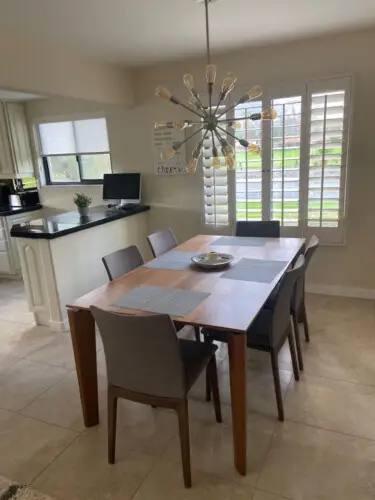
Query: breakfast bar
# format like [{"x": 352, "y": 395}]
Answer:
[{"x": 61, "y": 256}]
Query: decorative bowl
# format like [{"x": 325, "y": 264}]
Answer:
[{"x": 212, "y": 260}]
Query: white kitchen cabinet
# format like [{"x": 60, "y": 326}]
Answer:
[
  {"x": 15, "y": 151},
  {"x": 9, "y": 258}
]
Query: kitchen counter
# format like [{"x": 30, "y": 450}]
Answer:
[
  {"x": 55, "y": 226},
  {"x": 6, "y": 210},
  {"x": 61, "y": 255}
]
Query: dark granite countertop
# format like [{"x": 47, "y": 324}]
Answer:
[
  {"x": 6, "y": 210},
  {"x": 56, "y": 226}
]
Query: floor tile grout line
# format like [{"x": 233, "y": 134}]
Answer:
[
  {"x": 334, "y": 379},
  {"x": 54, "y": 459},
  {"x": 341, "y": 433},
  {"x": 41, "y": 394},
  {"x": 277, "y": 495}
]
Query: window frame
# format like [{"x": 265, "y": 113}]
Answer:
[
  {"x": 335, "y": 236},
  {"x": 44, "y": 166},
  {"x": 47, "y": 174}
]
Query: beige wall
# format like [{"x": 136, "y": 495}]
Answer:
[
  {"x": 177, "y": 201},
  {"x": 42, "y": 69}
]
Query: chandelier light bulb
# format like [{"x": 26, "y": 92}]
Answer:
[
  {"x": 163, "y": 93},
  {"x": 253, "y": 93},
  {"x": 169, "y": 154},
  {"x": 210, "y": 74},
  {"x": 254, "y": 148},
  {"x": 230, "y": 162},
  {"x": 269, "y": 114},
  {"x": 216, "y": 163},
  {"x": 192, "y": 165},
  {"x": 228, "y": 83},
  {"x": 189, "y": 81},
  {"x": 227, "y": 149}
]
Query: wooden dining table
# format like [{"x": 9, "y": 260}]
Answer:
[{"x": 232, "y": 305}]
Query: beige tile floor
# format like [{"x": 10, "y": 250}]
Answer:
[{"x": 325, "y": 450}]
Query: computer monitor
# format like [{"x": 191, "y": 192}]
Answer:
[{"x": 123, "y": 188}]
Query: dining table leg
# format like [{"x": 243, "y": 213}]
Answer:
[
  {"x": 237, "y": 370},
  {"x": 82, "y": 329}
]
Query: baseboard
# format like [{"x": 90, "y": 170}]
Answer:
[
  {"x": 341, "y": 291},
  {"x": 59, "y": 326}
]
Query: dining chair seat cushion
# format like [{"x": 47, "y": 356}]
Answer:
[
  {"x": 195, "y": 356},
  {"x": 258, "y": 335}
]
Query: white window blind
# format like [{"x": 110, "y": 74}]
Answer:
[
  {"x": 300, "y": 176},
  {"x": 286, "y": 161},
  {"x": 249, "y": 178},
  {"x": 74, "y": 137},
  {"x": 328, "y": 148},
  {"x": 215, "y": 184}
]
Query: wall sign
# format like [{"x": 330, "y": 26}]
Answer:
[{"x": 164, "y": 140}]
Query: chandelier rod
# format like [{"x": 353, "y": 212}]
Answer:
[{"x": 206, "y": 2}]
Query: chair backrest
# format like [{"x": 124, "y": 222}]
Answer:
[
  {"x": 162, "y": 241},
  {"x": 260, "y": 229},
  {"x": 121, "y": 262},
  {"x": 142, "y": 353},
  {"x": 281, "y": 311},
  {"x": 311, "y": 248},
  {"x": 299, "y": 289}
]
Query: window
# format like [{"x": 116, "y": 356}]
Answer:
[
  {"x": 300, "y": 176},
  {"x": 75, "y": 152}
]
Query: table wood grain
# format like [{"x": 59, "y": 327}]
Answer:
[{"x": 231, "y": 306}]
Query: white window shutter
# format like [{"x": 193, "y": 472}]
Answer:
[
  {"x": 286, "y": 161},
  {"x": 215, "y": 185},
  {"x": 328, "y": 136},
  {"x": 249, "y": 167}
]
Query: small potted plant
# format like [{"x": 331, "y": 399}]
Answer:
[{"x": 83, "y": 202}]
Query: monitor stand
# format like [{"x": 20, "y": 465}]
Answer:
[{"x": 123, "y": 205}]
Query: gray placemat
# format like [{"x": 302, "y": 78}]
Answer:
[
  {"x": 163, "y": 300},
  {"x": 172, "y": 260},
  {"x": 240, "y": 241},
  {"x": 260, "y": 271}
]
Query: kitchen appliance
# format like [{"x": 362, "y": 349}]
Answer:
[{"x": 29, "y": 198}]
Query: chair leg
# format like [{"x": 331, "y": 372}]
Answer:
[
  {"x": 276, "y": 380},
  {"x": 211, "y": 374},
  {"x": 183, "y": 423},
  {"x": 197, "y": 333},
  {"x": 208, "y": 388},
  {"x": 305, "y": 323},
  {"x": 112, "y": 419},
  {"x": 298, "y": 341},
  {"x": 293, "y": 355}
]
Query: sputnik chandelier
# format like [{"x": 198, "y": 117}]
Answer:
[{"x": 213, "y": 122}]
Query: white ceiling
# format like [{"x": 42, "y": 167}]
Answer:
[
  {"x": 9, "y": 95},
  {"x": 138, "y": 32}
]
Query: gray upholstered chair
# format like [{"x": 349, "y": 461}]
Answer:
[
  {"x": 270, "y": 330},
  {"x": 162, "y": 241},
  {"x": 122, "y": 262},
  {"x": 298, "y": 305},
  {"x": 260, "y": 229},
  {"x": 147, "y": 363}
]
